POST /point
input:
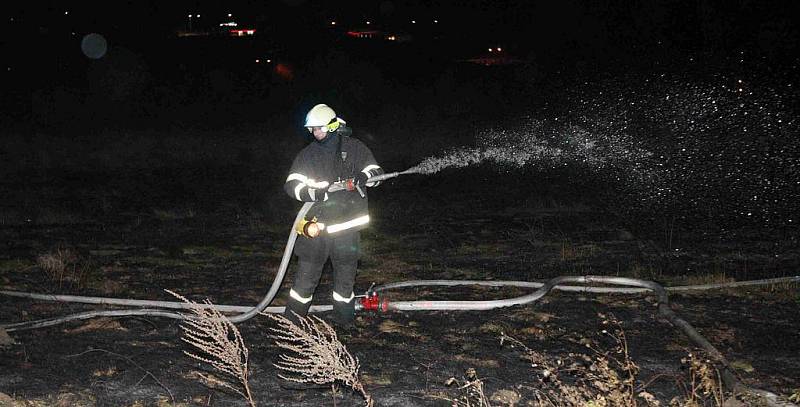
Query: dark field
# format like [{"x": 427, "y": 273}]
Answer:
[{"x": 453, "y": 225}]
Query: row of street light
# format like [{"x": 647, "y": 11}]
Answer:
[
  {"x": 368, "y": 22},
  {"x": 192, "y": 16}
]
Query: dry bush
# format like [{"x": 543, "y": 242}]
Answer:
[
  {"x": 618, "y": 359},
  {"x": 55, "y": 263},
  {"x": 471, "y": 388},
  {"x": 62, "y": 266},
  {"x": 605, "y": 377},
  {"x": 220, "y": 343},
  {"x": 705, "y": 388},
  {"x": 6, "y": 341},
  {"x": 705, "y": 384},
  {"x": 315, "y": 354}
]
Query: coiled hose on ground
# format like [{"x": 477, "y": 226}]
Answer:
[{"x": 245, "y": 312}]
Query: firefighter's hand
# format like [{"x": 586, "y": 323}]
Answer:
[
  {"x": 360, "y": 179},
  {"x": 319, "y": 193}
]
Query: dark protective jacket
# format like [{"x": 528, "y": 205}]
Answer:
[{"x": 335, "y": 158}]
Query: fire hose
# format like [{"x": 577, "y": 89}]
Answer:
[{"x": 372, "y": 301}]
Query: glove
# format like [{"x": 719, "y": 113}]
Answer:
[
  {"x": 360, "y": 179},
  {"x": 319, "y": 193}
]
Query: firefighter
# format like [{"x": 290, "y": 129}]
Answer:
[{"x": 339, "y": 215}]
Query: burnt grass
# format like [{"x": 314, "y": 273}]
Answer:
[{"x": 220, "y": 233}]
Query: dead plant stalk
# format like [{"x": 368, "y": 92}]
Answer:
[
  {"x": 217, "y": 337},
  {"x": 315, "y": 354}
]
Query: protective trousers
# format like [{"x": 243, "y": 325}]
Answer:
[{"x": 343, "y": 250}]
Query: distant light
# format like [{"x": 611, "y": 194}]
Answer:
[
  {"x": 491, "y": 49},
  {"x": 413, "y": 21},
  {"x": 368, "y": 23},
  {"x": 269, "y": 61},
  {"x": 499, "y": 49},
  {"x": 258, "y": 61},
  {"x": 242, "y": 32},
  {"x": 198, "y": 16},
  {"x": 11, "y": 19},
  {"x": 333, "y": 22},
  {"x": 66, "y": 13},
  {"x": 190, "y": 16},
  {"x": 230, "y": 15},
  {"x": 436, "y": 21}
]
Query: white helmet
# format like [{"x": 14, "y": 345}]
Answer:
[{"x": 319, "y": 116}]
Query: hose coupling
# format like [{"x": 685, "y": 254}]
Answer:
[
  {"x": 350, "y": 185},
  {"x": 371, "y": 302},
  {"x": 310, "y": 228}
]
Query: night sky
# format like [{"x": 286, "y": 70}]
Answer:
[
  {"x": 42, "y": 40},
  {"x": 579, "y": 28}
]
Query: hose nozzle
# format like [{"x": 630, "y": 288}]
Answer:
[
  {"x": 389, "y": 175},
  {"x": 384, "y": 177}
]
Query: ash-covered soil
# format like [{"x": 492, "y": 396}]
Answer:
[{"x": 140, "y": 236}]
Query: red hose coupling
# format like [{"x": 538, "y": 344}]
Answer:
[{"x": 371, "y": 302}]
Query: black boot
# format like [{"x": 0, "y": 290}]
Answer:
[
  {"x": 344, "y": 313},
  {"x": 296, "y": 310}
]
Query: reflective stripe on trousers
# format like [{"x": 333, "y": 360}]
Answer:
[{"x": 338, "y": 227}]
